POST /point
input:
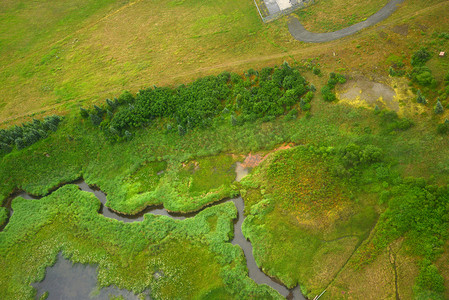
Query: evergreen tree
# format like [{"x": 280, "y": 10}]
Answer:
[
  {"x": 420, "y": 98},
  {"x": 100, "y": 111},
  {"x": 438, "y": 107},
  {"x": 376, "y": 109},
  {"x": 84, "y": 113},
  {"x": 181, "y": 130},
  {"x": 443, "y": 128},
  {"x": 113, "y": 131},
  {"x": 20, "y": 143},
  {"x": 305, "y": 106},
  {"x": 95, "y": 119},
  {"x": 52, "y": 127},
  {"x": 5, "y": 148},
  {"x": 128, "y": 135},
  {"x": 233, "y": 120},
  {"x": 42, "y": 134},
  {"x": 111, "y": 104}
]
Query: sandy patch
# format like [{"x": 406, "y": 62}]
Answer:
[
  {"x": 253, "y": 160},
  {"x": 366, "y": 93},
  {"x": 392, "y": 93}
]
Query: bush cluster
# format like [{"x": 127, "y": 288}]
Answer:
[
  {"x": 420, "y": 73},
  {"x": 420, "y": 213},
  {"x": 420, "y": 98},
  {"x": 327, "y": 90},
  {"x": 390, "y": 122},
  {"x": 352, "y": 158},
  {"x": 396, "y": 66}
]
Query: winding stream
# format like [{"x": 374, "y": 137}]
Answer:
[{"x": 84, "y": 280}]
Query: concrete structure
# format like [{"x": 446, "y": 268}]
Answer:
[{"x": 270, "y": 10}]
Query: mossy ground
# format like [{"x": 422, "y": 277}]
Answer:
[
  {"x": 192, "y": 256},
  {"x": 307, "y": 213}
]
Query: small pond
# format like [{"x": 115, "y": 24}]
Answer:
[{"x": 65, "y": 280}]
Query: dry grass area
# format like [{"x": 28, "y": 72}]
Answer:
[
  {"x": 443, "y": 268},
  {"x": 122, "y": 45},
  {"x": 138, "y": 44},
  {"x": 379, "y": 279}
]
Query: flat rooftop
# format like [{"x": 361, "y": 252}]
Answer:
[{"x": 275, "y": 6}]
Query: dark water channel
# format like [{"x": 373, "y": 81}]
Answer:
[{"x": 65, "y": 280}]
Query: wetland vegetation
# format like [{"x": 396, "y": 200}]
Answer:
[{"x": 349, "y": 196}]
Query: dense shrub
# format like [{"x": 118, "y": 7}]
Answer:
[
  {"x": 396, "y": 72},
  {"x": 423, "y": 76},
  {"x": 429, "y": 280},
  {"x": 420, "y": 57},
  {"x": 390, "y": 121},
  {"x": 443, "y": 128},
  {"x": 327, "y": 94},
  {"x": 354, "y": 155},
  {"x": 419, "y": 211},
  {"x": 327, "y": 90},
  {"x": 265, "y": 97},
  {"x": 335, "y": 78}
]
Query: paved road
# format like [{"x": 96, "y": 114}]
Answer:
[{"x": 301, "y": 34}]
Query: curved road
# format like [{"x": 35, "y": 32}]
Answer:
[{"x": 301, "y": 34}]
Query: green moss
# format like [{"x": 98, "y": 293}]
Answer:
[
  {"x": 212, "y": 173},
  {"x": 302, "y": 219}
]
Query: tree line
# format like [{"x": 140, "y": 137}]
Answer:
[{"x": 27, "y": 134}]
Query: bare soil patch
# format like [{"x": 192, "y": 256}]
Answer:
[
  {"x": 367, "y": 93},
  {"x": 401, "y": 29}
]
